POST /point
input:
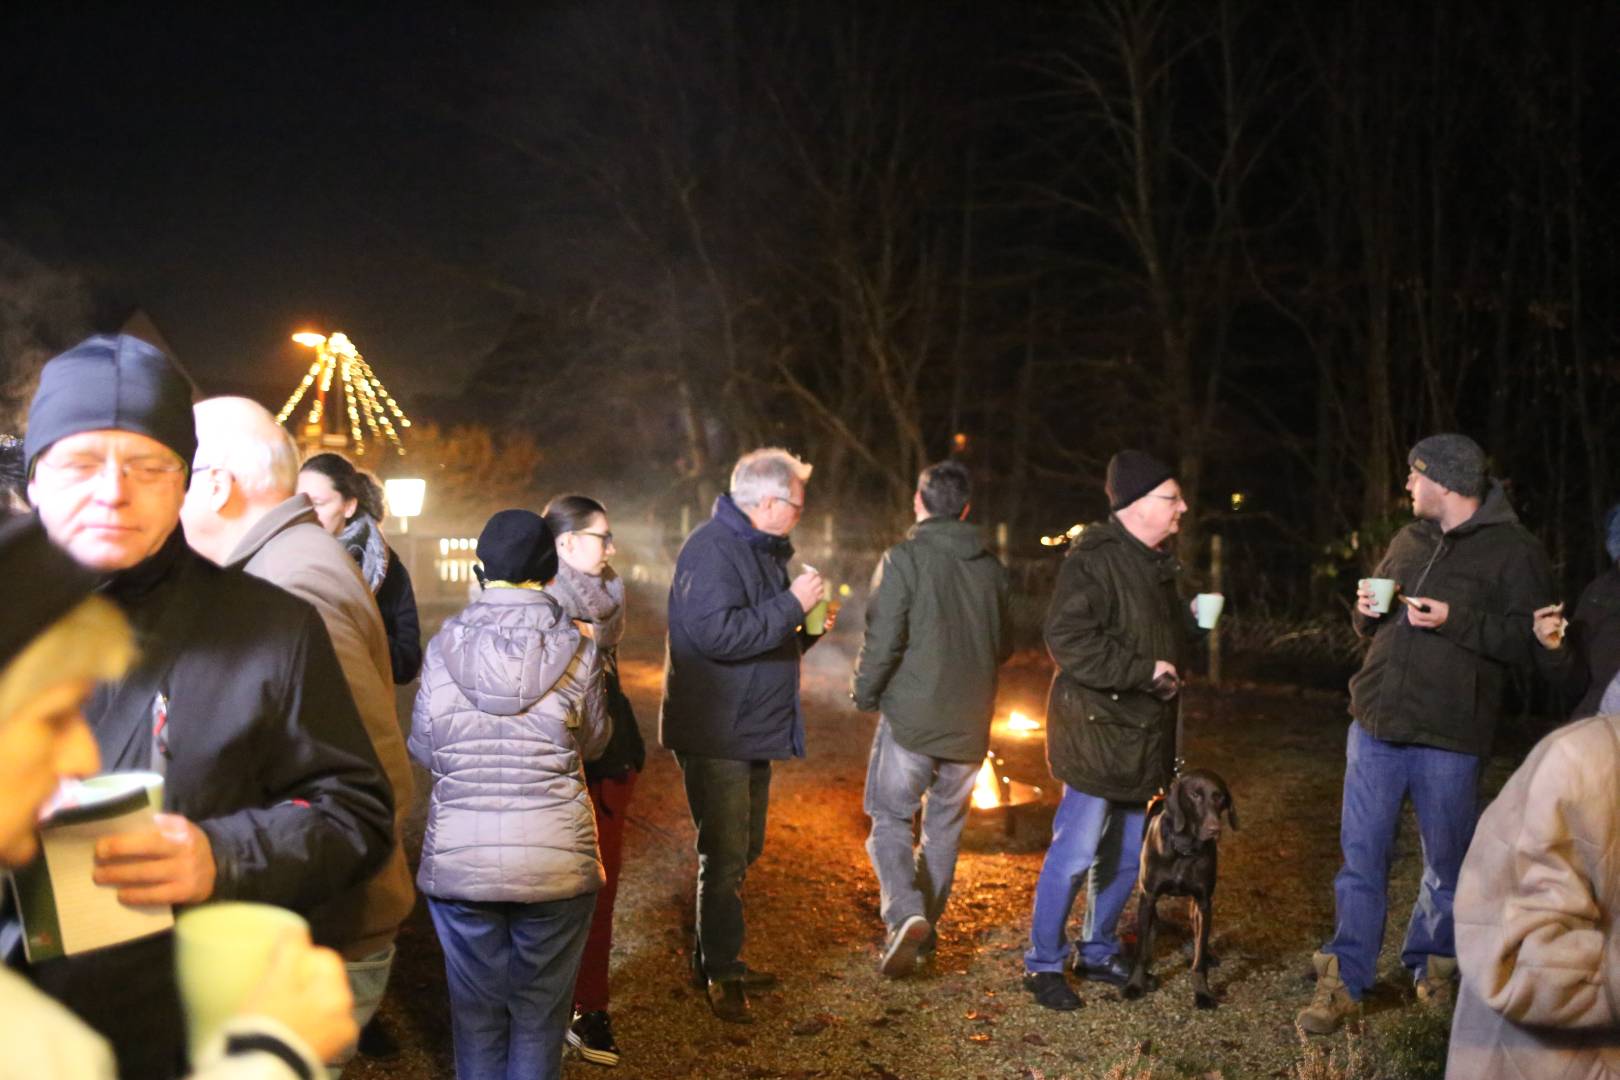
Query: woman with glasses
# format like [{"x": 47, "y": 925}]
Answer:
[
  {"x": 349, "y": 504},
  {"x": 590, "y": 591}
]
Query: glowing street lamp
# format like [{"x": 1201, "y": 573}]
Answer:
[{"x": 405, "y": 499}]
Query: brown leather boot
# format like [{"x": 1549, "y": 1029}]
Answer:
[
  {"x": 1437, "y": 986},
  {"x": 1331, "y": 1004}
]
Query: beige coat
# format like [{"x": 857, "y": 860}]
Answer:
[
  {"x": 288, "y": 547},
  {"x": 1536, "y": 905}
]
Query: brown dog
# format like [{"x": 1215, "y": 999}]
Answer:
[{"x": 1178, "y": 859}]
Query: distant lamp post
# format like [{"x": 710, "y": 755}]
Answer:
[
  {"x": 405, "y": 500},
  {"x": 348, "y": 402}
]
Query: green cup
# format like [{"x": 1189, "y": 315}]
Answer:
[
  {"x": 222, "y": 952},
  {"x": 815, "y": 620}
]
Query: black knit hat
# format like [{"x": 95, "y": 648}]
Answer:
[
  {"x": 1455, "y": 462},
  {"x": 1131, "y": 475},
  {"x": 112, "y": 383},
  {"x": 517, "y": 546},
  {"x": 45, "y": 583}
]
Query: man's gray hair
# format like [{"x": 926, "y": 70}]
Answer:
[
  {"x": 770, "y": 470},
  {"x": 240, "y": 436}
]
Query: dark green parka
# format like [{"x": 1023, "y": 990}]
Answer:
[
  {"x": 1116, "y": 610},
  {"x": 936, "y": 631}
]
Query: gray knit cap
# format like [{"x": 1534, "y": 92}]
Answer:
[{"x": 1455, "y": 462}]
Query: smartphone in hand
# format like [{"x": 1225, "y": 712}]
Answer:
[{"x": 1413, "y": 604}]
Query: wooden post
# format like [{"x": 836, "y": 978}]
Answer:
[
  {"x": 1216, "y": 573},
  {"x": 686, "y": 520},
  {"x": 827, "y": 542},
  {"x": 1001, "y": 541}
]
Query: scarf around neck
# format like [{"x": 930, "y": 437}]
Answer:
[
  {"x": 598, "y": 600},
  {"x": 362, "y": 538}
]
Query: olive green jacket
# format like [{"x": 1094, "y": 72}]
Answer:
[{"x": 1115, "y": 611}]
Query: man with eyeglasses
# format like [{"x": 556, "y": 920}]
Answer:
[
  {"x": 731, "y": 697},
  {"x": 1120, "y": 634},
  {"x": 271, "y": 787}
]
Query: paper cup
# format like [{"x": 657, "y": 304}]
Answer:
[
  {"x": 1383, "y": 590},
  {"x": 815, "y": 620},
  {"x": 221, "y": 952},
  {"x": 1207, "y": 609},
  {"x": 109, "y": 785}
]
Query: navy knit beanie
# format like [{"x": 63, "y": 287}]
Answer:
[
  {"x": 1131, "y": 475},
  {"x": 112, "y": 383},
  {"x": 516, "y": 546}
]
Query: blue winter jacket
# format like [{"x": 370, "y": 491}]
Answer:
[{"x": 731, "y": 672}]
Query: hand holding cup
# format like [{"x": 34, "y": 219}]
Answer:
[
  {"x": 307, "y": 989},
  {"x": 808, "y": 588}
]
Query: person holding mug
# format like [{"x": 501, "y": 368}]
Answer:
[{"x": 56, "y": 641}]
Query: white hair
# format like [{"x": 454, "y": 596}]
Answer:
[
  {"x": 770, "y": 470},
  {"x": 240, "y": 436}
]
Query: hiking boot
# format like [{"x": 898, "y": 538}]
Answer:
[
  {"x": 1051, "y": 990},
  {"x": 1437, "y": 986},
  {"x": 1331, "y": 1003},
  {"x": 730, "y": 1001},
  {"x": 592, "y": 1035},
  {"x": 900, "y": 955}
]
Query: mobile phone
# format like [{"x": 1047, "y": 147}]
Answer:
[{"x": 1413, "y": 604}]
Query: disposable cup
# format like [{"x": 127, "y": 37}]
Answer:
[
  {"x": 815, "y": 620},
  {"x": 1383, "y": 590},
  {"x": 1207, "y": 608},
  {"x": 222, "y": 952}
]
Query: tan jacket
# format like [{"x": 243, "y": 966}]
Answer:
[
  {"x": 288, "y": 547},
  {"x": 1535, "y": 910}
]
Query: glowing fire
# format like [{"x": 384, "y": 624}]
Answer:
[
  {"x": 986, "y": 790},
  {"x": 1020, "y": 723}
]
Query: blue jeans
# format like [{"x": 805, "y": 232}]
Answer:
[
  {"x": 729, "y": 800},
  {"x": 1378, "y": 776},
  {"x": 511, "y": 971},
  {"x": 1098, "y": 841},
  {"x": 898, "y": 781}
]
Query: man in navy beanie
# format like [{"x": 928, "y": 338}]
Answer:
[
  {"x": 272, "y": 791},
  {"x": 1475, "y": 600},
  {"x": 1120, "y": 634}
]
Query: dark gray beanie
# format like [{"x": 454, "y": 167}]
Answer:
[
  {"x": 1131, "y": 475},
  {"x": 1455, "y": 462},
  {"x": 112, "y": 383}
]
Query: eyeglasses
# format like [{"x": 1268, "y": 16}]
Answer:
[
  {"x": 605, "y": 537},
  {"x": 797, "y": 506},
  {"x": 83, "y": 468}
]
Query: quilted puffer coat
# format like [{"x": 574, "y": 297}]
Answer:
[{"x": 509, "y": 709}]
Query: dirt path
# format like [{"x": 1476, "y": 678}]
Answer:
[{"x": 812, "y": 911}]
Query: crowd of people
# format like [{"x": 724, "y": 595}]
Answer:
[{"x": 192, "y": 599}]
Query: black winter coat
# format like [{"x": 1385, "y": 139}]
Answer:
[
  {"x": 1443, "y": 687},
  {"x": 1116, "y": 611},
  {"x": 1594, "y": 635},
  {"x": 264, "y": 751},
  {"x": 731, "y": 672},
  {"x": 397, "y": 602}
]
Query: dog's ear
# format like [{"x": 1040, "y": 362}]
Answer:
[
  {"x": 1173, "y": 806},
  {"x": 1231, "y": 809}
]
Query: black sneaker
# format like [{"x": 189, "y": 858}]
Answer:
[
  {"x": 1114, "y": 971},
  {"x": 592, "y": 1035},
  {"x": 1052, "y": 991}
]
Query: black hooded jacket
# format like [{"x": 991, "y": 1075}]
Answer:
[{"x": 1443, "y": 687}]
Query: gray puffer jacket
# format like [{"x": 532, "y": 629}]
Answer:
[{"x": 509, "y": 709}]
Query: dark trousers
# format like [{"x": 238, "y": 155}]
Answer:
[
  {"x": 611, "y": 798},
  {"x": 129, "y": 995},
  {"x": 729, "y": 800}
]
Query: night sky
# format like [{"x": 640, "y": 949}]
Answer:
[{"x": 245, "y": 176}]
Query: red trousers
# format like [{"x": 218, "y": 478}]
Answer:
[{"x": 610, "y": 797}]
